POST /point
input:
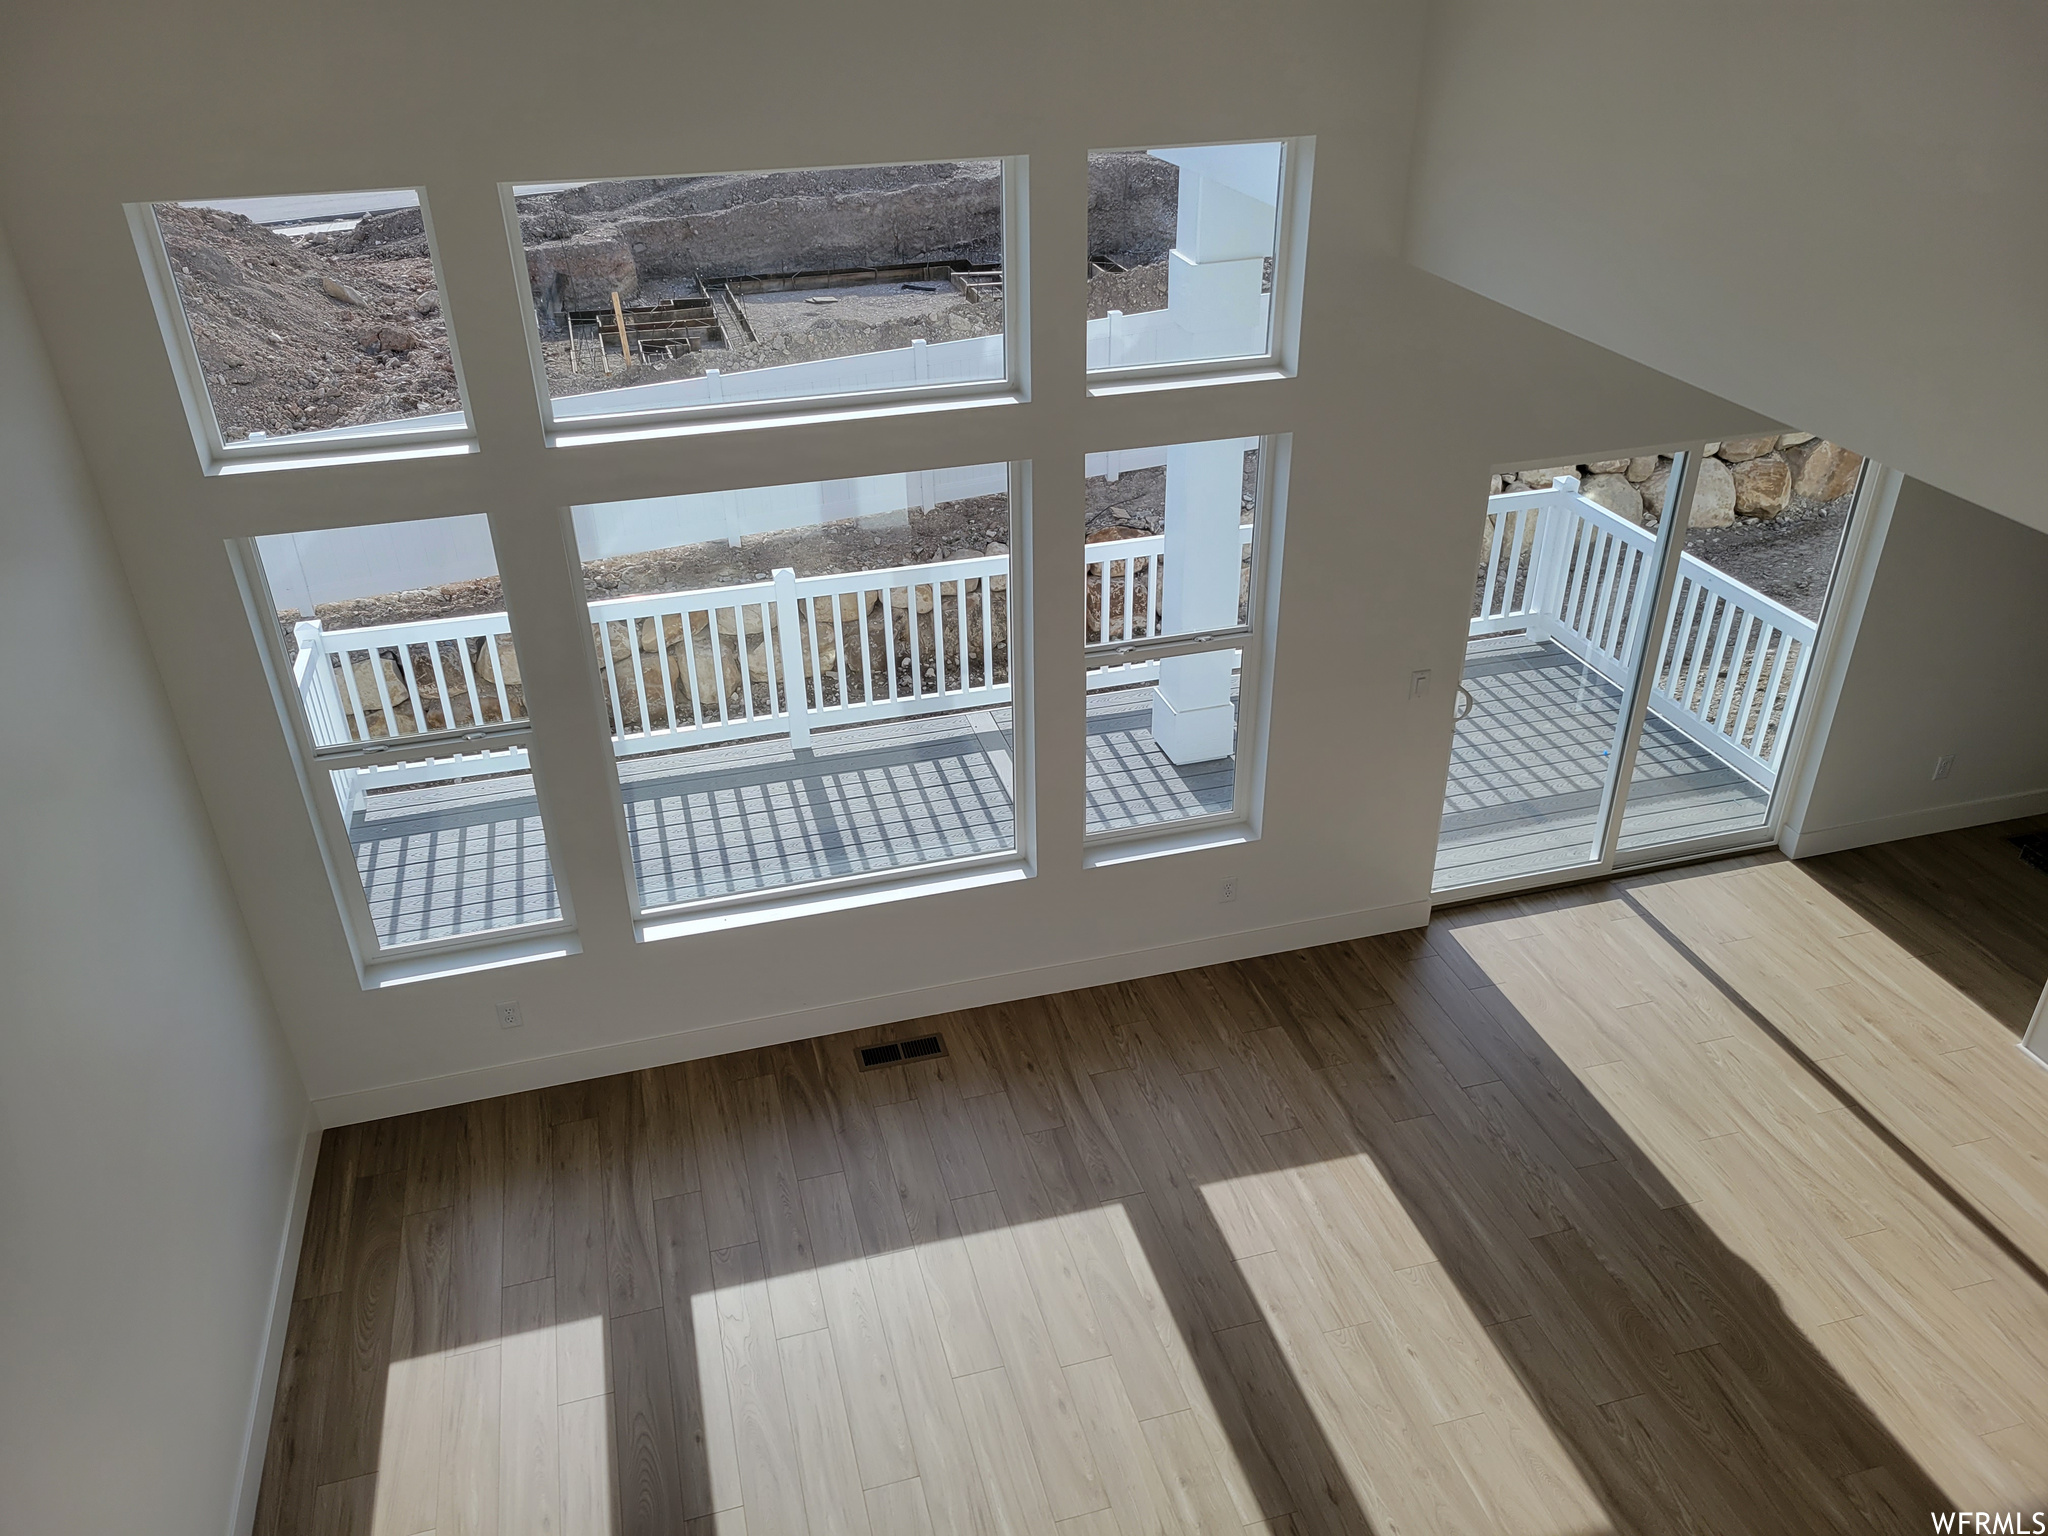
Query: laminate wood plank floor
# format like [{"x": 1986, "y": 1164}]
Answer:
[{"x": 1712, "y": 1200}]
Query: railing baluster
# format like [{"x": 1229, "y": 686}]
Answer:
[
  {"x": 960, "y": 629},
  {"x": 718, "y": 667},
  {"x": 383, "y": 692},
  {"x": 441, "y": 685},
  {"x": 744, "y": 653},
  {"x": 668, "y": 692},
  {"x": 355, "y": 701},
  {"x": 867, "y": 675},
  {"x": 910, "y": 616},
  {"x": 889, "y": 637},
  {"x": 1740, "y": 675},
  {"x": 1486, "y": 606},
  {"x": 988, "y": 610},
  {"x": 639, "y": 673},
  {"x": 476, "y": 707},
  {"x": 498, "y": 670},
  {"x": 1770, "y": 734},
  {"x": 611, "y": 678},
  {"x": 691, "y": 680}
]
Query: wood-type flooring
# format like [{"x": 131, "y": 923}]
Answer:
[{"x": 1714, "y": 1200}]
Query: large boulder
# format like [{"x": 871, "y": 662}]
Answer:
[
  {"x": 1642, "y": 467},
  {"x": 1653, "y": 489},
  {"x": 1736, "y": 449},
  {"x": 1543, "y": 479},
  {"x": 1613, "y": 492},
  {"x": 1606, "y": 466},
  {"x": 581, "y": 274},
  {"x": 1713, "y": 500},
  {"x": 1763, "y": 485},
  {"x": 1821, "y": 470}
]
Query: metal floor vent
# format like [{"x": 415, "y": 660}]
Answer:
[{"x": 923, "y": 1048}]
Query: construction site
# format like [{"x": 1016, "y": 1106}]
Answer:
[
  {"x": 317, "y": 324},
  {"x": 635, "y": 282}
]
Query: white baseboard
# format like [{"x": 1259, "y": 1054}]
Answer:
[
  {"x": 890, "y": 1008},
  {"x": 263, "y": 1398},
  {"x": 1805, "y": 842}
]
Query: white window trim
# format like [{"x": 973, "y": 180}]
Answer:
[
  {"x": 1253, "y": 641},
  {"x": 628, "y": 425},
  {"x": 377, "y": 963},
  {"x": 379, "y": 441},
  {"x": 936, "y": 876},
  {"x": 1280, "y": 360}
]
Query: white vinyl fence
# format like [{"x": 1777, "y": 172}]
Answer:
[{"x": 1729, "y": 663}]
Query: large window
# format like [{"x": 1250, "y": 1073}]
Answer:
[
  {"x": 403, "y": 693},
  {"x": 1179, "y": 561},
  {"x": 693, "y": 294},
  {"x": 805, "y": 683},
  {"x": 1185, "y": 259},
  {"x": 812, "y": 692},
  {"x": 305, "y": 326}
]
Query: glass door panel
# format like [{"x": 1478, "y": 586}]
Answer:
[
  {"x": 1761, "y": 546},
  {"x": 1561, "y": 597}
]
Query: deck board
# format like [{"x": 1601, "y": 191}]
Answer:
[
  {"x": 443, "y": 859},
  {"x": 1529, "y": 761}
]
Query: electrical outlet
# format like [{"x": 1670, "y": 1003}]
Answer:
[
  {"x": 1228, "y": 890},
  {"x": 1418, "y": 685},
  {"x": 1943, "y": 765},
  {"x": 508, "y": 1016}
]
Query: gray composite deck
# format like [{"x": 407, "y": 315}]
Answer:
[
  {"x": 1529, "y": 761},
  {"x": 440, "y": 860}
]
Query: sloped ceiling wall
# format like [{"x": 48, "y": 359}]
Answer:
[{"x": 1835, "y": 213}]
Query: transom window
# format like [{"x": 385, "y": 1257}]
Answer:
[
  {"x": 305, "y": 326},
  {"x": 760, "y": 289}
]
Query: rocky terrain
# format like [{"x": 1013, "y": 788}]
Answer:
[
  {"x": 295, "y": 335},
  {"x": 1770, "y": 510},
  {"x": 344, "y": 328}
]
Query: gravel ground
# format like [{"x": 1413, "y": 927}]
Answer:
[
  {"x": 875, "y": 317},
  {"x": 1790, "y": 557}
]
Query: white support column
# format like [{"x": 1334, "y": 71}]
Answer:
[
  {"x": 1215, "y": 274},
  {"x": 1193, "y": 720}
]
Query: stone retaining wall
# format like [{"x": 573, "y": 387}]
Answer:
[{"x": 1743, "y": 477}]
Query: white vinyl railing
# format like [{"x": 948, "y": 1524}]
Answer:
[
  {"x": 393, "y": 681},
  {"x": 1729, "y": 663},
  {"x": 799, "y": 653},
  {"x": 791, "y": 654}
]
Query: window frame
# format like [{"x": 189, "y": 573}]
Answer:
[
  {"x": 1290, "y": 252},
  {"x": 617, "y": 425},
  {"x": 1253, "y": 642},
  {"x": 376, "y": 962},
  {"x": 678, "y": 919},
  {"x": 368, "y": 443}
]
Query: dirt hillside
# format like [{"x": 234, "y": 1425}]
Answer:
[{"x": 281, "y": 351}]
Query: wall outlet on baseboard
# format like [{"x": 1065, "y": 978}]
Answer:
[
  {"x": 1228, "y": 890},
  {"x": 1943, "y": 766},
  {"x": 508, "y": 1015}
]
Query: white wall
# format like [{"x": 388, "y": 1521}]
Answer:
[
  {"x": 1410, "y": 390},
  {"x": 1833, "y": 211},
  {"x": 1950, "y": 658},
  {"x": 150, "y": 1115}
]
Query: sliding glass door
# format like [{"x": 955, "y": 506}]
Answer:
[{"x": 1641, "y": 634}]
